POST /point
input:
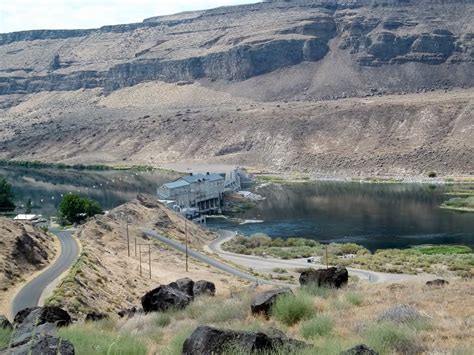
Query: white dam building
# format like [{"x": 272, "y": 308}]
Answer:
[{"x": 203, "y": 192}]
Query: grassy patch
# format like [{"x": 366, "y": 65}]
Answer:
[
  {"x": 291, "y": 248},
  {"x": 5, "y": 335},
  {"x": 319, "y": 326},
  {"x": 323, "y": 292},
  {"x": 290, "y": 309},
  {"x": 175, "y": 345},
  {"x": 88, "y": 339},
  {"x": 443, "y": 249},
  {"x": 460, "y": 203},
  {"x": 387, "y": 337},
  {"x": 354, "y": 298},
  {"x": 279, "y": 270}
]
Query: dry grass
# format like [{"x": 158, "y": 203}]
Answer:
[{"x": 338, "y": 322}]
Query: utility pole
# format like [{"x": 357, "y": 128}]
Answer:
[
  {"x": 140, "y": 252},
  {"x": 327, "y": 261},
  {"x": 149, "y": 258},
  {"x": 128, "y": 236},
  {"x": 135, "y": 246},
  {"x": 186, "y": 233}
]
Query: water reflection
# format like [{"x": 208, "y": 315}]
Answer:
[
  {"x": 45, "y": 187},
  {"x": 377, "y": 216}
]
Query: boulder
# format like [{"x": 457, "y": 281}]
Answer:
[
  {"x": 437, "y": 282},
  {"x": 35, "y": 332},
  {"x": 203, "y": 287},
  {"x": 263, "y": 302},
  {"x": 185, "y": 285},
  {"x": 5, "y": 323},
  {"x": 96, "y": 316},
  {"x": 332, "y": 277},
  {"x": 206, "y": 340},
  {"x": 361, "y": 349},
  {"x": 163, "y": 298},
  {"x": 43, "y": 315},
  {"x": 43, "y": 345}
]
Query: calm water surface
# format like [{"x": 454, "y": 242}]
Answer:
[{"x": 374, "y": 215}]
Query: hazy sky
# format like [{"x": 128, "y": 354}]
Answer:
[{"x": 19, "y": 15}]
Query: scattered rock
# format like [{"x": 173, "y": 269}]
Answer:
[
  {"x": 206, "y": 340},
  {"x": 437, "y": 282},
  {"x": 185, "y": 285},
  {"x": 164, "y": 297},
  {"x": 43, "y": 345},
  {"x": 203, "y": 287},
  {"x": 400, "y": 313},
  {"x": 361, "y": 349},
  {"x": 95, "y": 316},
  {"x": 5, "y": 323},
  {"x": 127, "y": 312},
  {"x": 264, "y": 301},
  {"x": 332, "y": 277}
]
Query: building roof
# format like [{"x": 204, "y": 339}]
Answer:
[
  {"x": 26, "y": 217},
  {"x": 175, "y": 184},
  {"x": 202, "y": 177}
]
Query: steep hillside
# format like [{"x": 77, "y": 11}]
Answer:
[
  {"x": 23, "y": 251},
  {"x": 323, "y": 86},
  {"x": 105, "y": 279}
]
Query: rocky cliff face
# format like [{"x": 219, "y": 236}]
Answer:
[
  {"x": 238, "y": 43},
  {"x": 322, "y": 86}
]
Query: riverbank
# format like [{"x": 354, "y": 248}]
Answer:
[{"x": 440, "y": 260}]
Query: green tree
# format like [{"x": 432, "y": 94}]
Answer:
[
  {"x": 6, "y": 196},
  {"x": 75, "y": 209},
  {"x": 28, "y": 206}
]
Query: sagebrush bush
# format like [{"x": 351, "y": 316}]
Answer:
[
  {"x": 354, "y": 298},
  {"x": 386, "y": 337},
  {"x": 290, "y": 309},
  {"x": 318, "y": 326}
]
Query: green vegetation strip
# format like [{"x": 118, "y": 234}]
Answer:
[
  {"x": 35, "y": 164},
  {"x": 440, "y": 259},
  {"x": 5, "y": 335},
  {"x": 460, "y": 203}
]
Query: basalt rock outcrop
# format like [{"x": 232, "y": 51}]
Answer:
[
  {"x": 177, "y": 294},
  {"x": 361, "y": 349},
  {"x": 238, "y": 43},
  {"x": 35, "y": 332},
  {"x": 5, "y": 323},
  {"x": 206, "y": 340},
  {"x": 203, "y": 287},
  {"x": 333, "y": 277},
  {"x": 263, "y": 302}
]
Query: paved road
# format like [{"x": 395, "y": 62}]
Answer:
[
  {"x": 30, "y": 294},
  {"x": 261, "y": 264},
  {"x": 210, "y": 261}
]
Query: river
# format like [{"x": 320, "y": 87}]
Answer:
[{"x": 374, "y": 215}]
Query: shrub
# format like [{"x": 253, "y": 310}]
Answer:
[
  {"x": 175, "y": 345},
  {"x": 319, "y": 326},
  {"x": 5, "y": 335},
  {"x": 386, "y": 337},
  {"x": 432, "y": 174},
  {"x": 290, "y": 309},
  {"x": 162, "y": 319},
  {"x": 354, "y": 298},
  {"x": 87, "y": 339}
]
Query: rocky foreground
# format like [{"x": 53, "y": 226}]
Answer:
[{"x": 325, "y": 87}]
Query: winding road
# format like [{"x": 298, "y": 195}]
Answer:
[
  {"x": 208, "y": 260},
  {"x": 30, "y": 294},
  {"x": 266, "y": 265}
]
